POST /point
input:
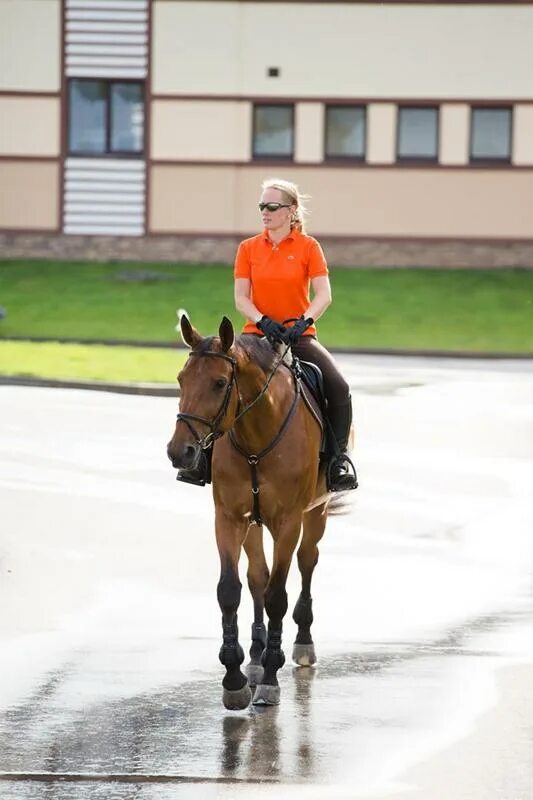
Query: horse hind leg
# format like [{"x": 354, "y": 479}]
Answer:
[
  {"x": 303, "y": 652},
  {"x": 236, "y": 692},
  {"x": 258, "y": 576}
]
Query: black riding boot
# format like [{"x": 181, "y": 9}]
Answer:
[
  {"x": 201, "y": 473},
  {"x": 341, "y": 475}
]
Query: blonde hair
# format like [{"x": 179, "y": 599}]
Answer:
[{"x": 290, "y": 194}]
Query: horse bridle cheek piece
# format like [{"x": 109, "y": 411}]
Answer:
[{"x": 213, "y": 424}]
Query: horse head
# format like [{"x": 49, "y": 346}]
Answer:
[{"x": 208, "y": 393}]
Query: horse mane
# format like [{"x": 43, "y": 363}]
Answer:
[{"x": 258, "y": 350}]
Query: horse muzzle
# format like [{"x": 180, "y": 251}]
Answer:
[{"x": 184, "y": 456}]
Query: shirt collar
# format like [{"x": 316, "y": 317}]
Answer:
[{"x": 292, "y": 235}]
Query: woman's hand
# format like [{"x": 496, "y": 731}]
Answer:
[
  {"x": 300, "y": 326},
  {"x": 273, "y": 330}
]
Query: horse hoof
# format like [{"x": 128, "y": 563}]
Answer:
[
  {"x": 266, "y": 695},
  {"x": 237, "y": 700},
  {"x": 304, "y": 655},
  {"x": 254, "y": 673}
]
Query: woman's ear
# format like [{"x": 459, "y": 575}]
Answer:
[
  {"x": 226, "y": 333},
  {"x": 189, "y": 334}
]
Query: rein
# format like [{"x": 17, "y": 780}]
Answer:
[
  {"x": 254, "y": 458},
  {"x": 213, "y": 424}
]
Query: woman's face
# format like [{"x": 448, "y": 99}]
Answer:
[{"x": 274, "y": 220}]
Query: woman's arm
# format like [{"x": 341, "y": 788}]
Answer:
[
  {"x": 322, "y": 297},
  {"x": 243, "y": 304}
]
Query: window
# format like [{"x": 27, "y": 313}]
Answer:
[
  {"x": 273, "y": 131},
  {"x": 490, "y": 134},
  {"x": 105, "y": 117},
  {"x": 418, "y": 134},
  {"x": 345, "y": 132}
]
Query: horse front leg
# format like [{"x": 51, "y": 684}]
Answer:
[
  {"x": 314, "y": 524},
  {"x": 285, "y": 540},
  {"x": 258, "y": 576},
  {"x": 230, "y": 536}
]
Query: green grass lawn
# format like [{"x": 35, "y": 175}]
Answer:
[
  {"x": 90, "y": 362},
  {"x": 479, "y": 310}
]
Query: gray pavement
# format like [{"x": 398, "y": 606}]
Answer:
[{"x": 109, "y": 631}]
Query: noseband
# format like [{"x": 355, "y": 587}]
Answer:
[{"x": 214, "y": 432}]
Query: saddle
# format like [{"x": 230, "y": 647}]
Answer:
[
  {"x": 312, "y": 382},
  {"x": 312, "y": 377}
]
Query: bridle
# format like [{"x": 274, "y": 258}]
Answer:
[{"x": 214, "y": 424}]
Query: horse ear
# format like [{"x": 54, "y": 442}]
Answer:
[
  {"x": 190, "y": 335},
  {"x": 226, "y": 333}
]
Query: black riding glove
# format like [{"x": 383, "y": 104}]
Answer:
[
  {"x": 300, "y": 326},
  {"x": 274, "y": 331}
]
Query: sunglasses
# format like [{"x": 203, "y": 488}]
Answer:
[{"x": 272, "y": 206}]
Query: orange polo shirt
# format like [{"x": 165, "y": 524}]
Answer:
[{"x": 280, "y": 274}]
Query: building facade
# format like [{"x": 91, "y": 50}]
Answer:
[{"x": 143, "y": 129}]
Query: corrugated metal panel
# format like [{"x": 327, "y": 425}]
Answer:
[
  {"x": 106, "y": 38},
  {"x": 104, "y": 196}
]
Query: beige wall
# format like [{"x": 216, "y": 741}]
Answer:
[
  {"x": 29, "y": 196},
  {"x": 523, "y": 134},
  {"x": 422, "y": 202},
  {"x": 367, "y": 202},
  {"x": 381, "y": 133},
  {"x": 195, "y": 47},
  {"x": 454, "y": 135},
  {"x": 30, "y": 45},
  {"x": 192, "y": 198},
  {"x": 30, "y": 126},
  {"x": 309, "y": 132},
  {"x": 343, "y": 50},
  {"x": 201, "y": 130}
]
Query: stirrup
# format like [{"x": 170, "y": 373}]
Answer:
[{"x": 341, "y": 475}]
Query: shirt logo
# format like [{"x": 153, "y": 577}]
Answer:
[{"x": 290, "y": 258}]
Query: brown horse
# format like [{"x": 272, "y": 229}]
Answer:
[{"x": 266, "y": 469}]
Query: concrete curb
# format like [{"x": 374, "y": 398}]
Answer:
[
  {"x": 356, "y": 351},
  {"x": 150, "y": 389}
]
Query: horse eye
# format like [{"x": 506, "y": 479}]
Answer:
[{"x": 220, "y": 383}]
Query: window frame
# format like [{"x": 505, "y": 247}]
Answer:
[
  {"x": 400, "y": 159},
  {"x": 274, "y": 156},
  {"x": 108, "y": 152},
  {"x": 357, "y": 159},
  {"x": 488, "y": 160}
]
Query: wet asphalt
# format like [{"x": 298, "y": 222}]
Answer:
[{"x": 109, "y": 629}]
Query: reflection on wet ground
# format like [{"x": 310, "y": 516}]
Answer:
[
  {"x": 110, "y": 687},
  {"x": 53, "y": 747}
]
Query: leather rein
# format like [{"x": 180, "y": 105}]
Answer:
[{"x": 213, "y": 424}]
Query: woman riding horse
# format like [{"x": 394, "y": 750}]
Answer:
[
  {"x": 241, "y": 395},
  {"x": 272, "y": 275}
]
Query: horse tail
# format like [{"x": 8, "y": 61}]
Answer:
[{"x": 340, "y": 504}]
